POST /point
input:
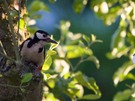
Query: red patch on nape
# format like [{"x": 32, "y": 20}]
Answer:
[{"x": 40, "y": 68}]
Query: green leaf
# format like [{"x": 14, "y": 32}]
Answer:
[
  {"x": 79, "y": 5},
  {"x": 48, "y": 59},
  {"x": 26, "y": 77},
  {"x": 80, "y": 91},
  {"x": 95, "y": 60},
  {"x": 51, "y": 52},
  {"x": 74, "y": 51},
  {"x": 22, "y": 24},
  {"x": 123, "y": 71},
  {"x": 123, "y": 96},
  {"x": 37, "y": 5},
  {"x": 130, "y": 76},
  {"x": 47, "y": 63},
  {"x": 53, "y": 46},
  {"x": 118, "y": 52},
  {"x": 86, "y": 38},
  {"x": 90, "y": 97},
  {"x": 89, "y": 83},
  {"x": 50, "y": 97},
  {"x": 93, "y": 38},
  {"x": 118, "y": 38}
]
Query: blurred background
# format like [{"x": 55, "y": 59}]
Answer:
[{"x": 104, "y": 19}]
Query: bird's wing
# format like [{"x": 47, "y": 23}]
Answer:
[{"x": 20, "y": 47}]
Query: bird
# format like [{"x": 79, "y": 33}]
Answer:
[{"x": 33, "y": 49}]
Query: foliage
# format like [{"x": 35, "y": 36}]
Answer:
[
  {"x": 60, "y": 73},
  {"x": 65, "y": 78},
  {"x": 26, "y": 78},
  {"x": 122, "y": 43}
]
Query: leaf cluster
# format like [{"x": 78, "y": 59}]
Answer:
[
  {"x": 63, "y": 76},
  {"x": 123, "y": 40}
]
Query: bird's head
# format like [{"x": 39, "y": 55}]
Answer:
[{"x": 43, "y": 36}]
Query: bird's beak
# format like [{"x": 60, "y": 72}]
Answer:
[{"x": 51, "y": 41}]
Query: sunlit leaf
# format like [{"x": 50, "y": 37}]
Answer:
[
  {"x": 86, "y": 38},
  {"x": 90, "y": 84},
  {"x": 71, "y": 91},
  {"x": 48, "y": 59},
  {"x": 22, "y": 24},
  {"x": 47, "y": 63},
  {"x": 37, "y": 5},
  {"x": 95, "y": 60},
  {"x": 80, "y": 91},
  {"x": 74, "y": 51},
  {"x": 130, "y": 76},
  {"x": 93, "y": 37},
  {"x": 104, "y": 7},
  {"x": 63, "y": 86},
  {"x": 107, "y": 11},
  {"x": 26, "y": 77},
  {"x": 64, "y": 26},
  {"x": 123, "y": 96},
  {"x": 51, "y": 83},
  {"x": 90, "y": 97},
  {"x": 53, "y": 46},
  {"x": 51, "y": 52},
  {"x": 118, "y": 38},
  {"x": 123, "y": 71},
  {"x": 62, "y": 67},
  {"x": 50, "y": 97},
  {"x": 79, "y": 5},
  {"x": 118, "y": 52}
]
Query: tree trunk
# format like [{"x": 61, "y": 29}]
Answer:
[{"x": 10, "y": 79}]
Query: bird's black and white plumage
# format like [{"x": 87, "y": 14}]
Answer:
[{"x": 32, "y": 49}]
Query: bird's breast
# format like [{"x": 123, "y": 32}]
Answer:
[{"x": 32, "y": 54}]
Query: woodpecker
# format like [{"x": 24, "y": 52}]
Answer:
[{"x": 32, "y": 49}]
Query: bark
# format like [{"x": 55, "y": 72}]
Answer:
[{"x": 10, "y": 79}]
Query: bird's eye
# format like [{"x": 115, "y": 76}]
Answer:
[{"x": 44, "y": 35}]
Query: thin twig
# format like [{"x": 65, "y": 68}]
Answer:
[
  {"x": 13, "y": 86},
  {"x": 19, "y": 4},
  {"x": 80, "y": 61},
  {"x": 72, "y": 67},
  {"x": 12, "y": 31},
  {"x": 7, "y": 57},
  {"x": 2, "y": 47}
]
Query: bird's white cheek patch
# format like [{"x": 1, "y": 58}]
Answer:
[{"x": 133, "y": 59}]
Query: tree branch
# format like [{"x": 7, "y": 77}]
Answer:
[
  {"x": 13, "y": 86},
  {"x": 12, "y": 31},
  {"x": 19, "y": 4}
]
